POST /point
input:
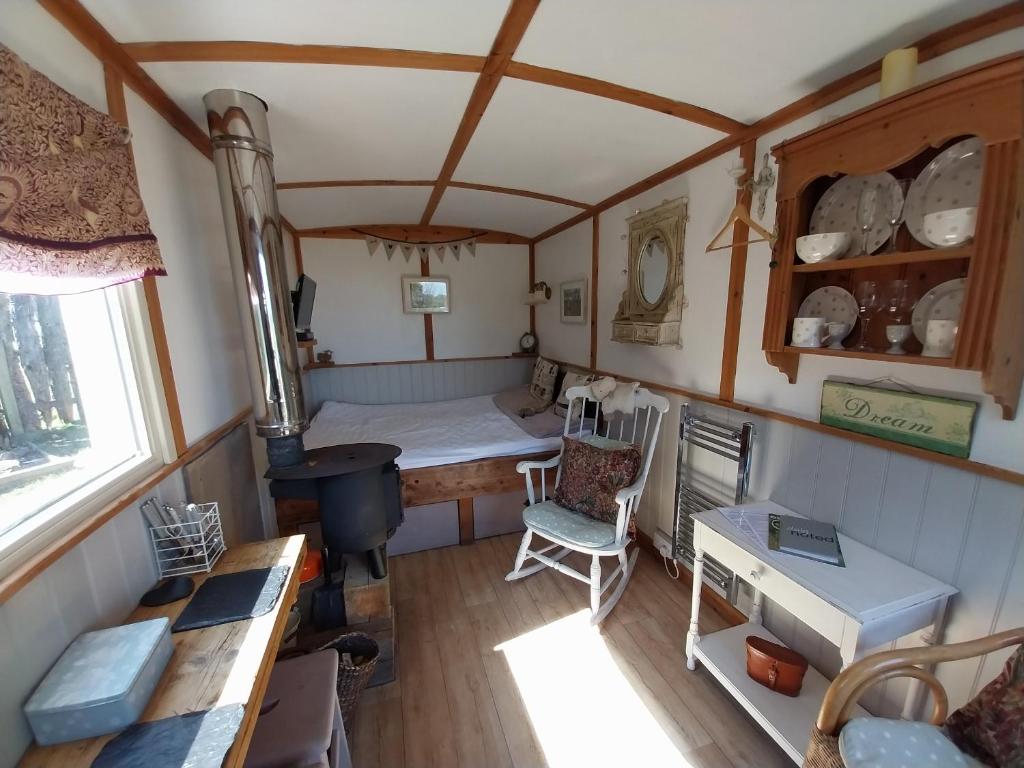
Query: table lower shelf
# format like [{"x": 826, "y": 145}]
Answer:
[{"x": 786, "y": 719}]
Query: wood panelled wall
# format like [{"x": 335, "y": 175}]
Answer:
[
  {"x": 414, "y": 382},
  {"x": 957, "y": 526}
]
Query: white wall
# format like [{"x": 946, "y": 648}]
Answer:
[
  {"x": 179, "y": 188},
  {"x": 358, "y": 310},
  {"x": 488, "y": 314},
  {"x": 566, "y": 256}
]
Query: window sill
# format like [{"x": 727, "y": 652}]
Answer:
[{"x": 26, "y": 560}]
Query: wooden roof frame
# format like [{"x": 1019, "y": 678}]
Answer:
[{"x": 125, "y": 59}]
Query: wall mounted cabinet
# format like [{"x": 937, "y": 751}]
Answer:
[{"x": 903, "y": 135}]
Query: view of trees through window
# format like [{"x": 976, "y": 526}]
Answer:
[{"x": 62, "y": 377}]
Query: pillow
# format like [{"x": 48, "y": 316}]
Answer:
[
  {"x": 877, "y": 742},
  {"x": 571, "y": 379},
  {"x": 593, "y": 474},
  {"x": 542, "y": 383},
  {"x": 991, "y": 726}
]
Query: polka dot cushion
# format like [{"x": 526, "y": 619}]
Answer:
[{"x": 875, "y": 742}]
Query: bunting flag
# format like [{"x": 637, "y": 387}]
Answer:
[
  {"x": 372, "y": 243},
  {"x": 439, "y": 250},
  {"x": 455, "y": 247},
  {"x": 406, "y": 251},
  {"x": 424, "y": 251},
  {"x": 471, "y": 247},
  {"x": 389, "y": 248}
]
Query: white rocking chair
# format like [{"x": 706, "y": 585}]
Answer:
[{"x": 574, "y": 532}]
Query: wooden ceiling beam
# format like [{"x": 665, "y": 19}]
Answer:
[
  {"x": 416, "y": 233},
  {"x": 90, "y": 33},
  {"x": 637, "y": 98},
  {"x": 969, "y": 31},
  {"x": 511, "y": 32},
  {"x": 285, "y": 53},
  {"x": 327, "y": 184}
]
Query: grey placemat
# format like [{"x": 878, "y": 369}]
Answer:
[
  {"x": 195, "y": 740},
  {"x": 233, "y": 597}
]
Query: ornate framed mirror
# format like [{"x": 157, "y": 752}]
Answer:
[{"x": 651, "y": 308}]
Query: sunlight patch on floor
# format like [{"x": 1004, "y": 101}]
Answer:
[{"x": 583, "y": 710}]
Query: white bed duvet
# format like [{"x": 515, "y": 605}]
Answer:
[{"x": 429, "y": 434}]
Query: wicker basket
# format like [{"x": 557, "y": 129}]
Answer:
[
  {"x": 351, "y": 678},
  {"x": 823, "y": 751}
]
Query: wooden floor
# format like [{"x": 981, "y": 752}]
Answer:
[{"x": 500, "y": 674}]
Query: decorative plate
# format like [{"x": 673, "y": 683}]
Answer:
[
  {"x": 943, "y": 302},
  {"x": 833, "y": 303},
  {"x": 951, "y": 180},
  {"x": 836, "y": 211}
]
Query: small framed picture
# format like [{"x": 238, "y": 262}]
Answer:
[
  {"x": 425, "y": 295},
  {"x": 573, "y": 301}
]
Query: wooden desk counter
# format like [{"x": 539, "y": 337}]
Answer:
[{"x": 216, "y": 666}]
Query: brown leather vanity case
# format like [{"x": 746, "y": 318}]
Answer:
[{"x": 775, "y": 666}]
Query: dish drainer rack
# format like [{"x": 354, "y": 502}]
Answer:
[
  {"x": 192, "y": 545},
  {"x": 734, "y": 444}
]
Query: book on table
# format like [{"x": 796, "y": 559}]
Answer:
[{"x": 805, "y": 538}]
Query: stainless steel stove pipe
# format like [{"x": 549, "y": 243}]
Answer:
[{"x": 245, "y": 174}]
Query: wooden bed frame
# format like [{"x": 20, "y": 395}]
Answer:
[{"x": 429, "y": 485}]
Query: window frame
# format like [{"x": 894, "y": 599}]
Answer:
[{"x": 48, "y": 527}]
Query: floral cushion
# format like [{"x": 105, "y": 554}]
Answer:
[
  {"x": 991, "y": 726},
  {"x": 571, "y": 379},
  {"x": 542, "y": 383},
  {"x": 592, "y": 475}
]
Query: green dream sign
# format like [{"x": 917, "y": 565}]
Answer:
[{"x": 939, "y": 424}]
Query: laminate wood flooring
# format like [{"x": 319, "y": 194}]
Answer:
[{"x": 512, "y": 675}]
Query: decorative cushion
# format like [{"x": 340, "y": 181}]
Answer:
[
  {"x": 991, "y": 725},
  {"x": 542, "y": 383},
  {"x": 592, "y": 475},
  {"x": 550, "y": 520},
  {"x": 571, "y": 379},
  {"x": 877, "y": 742}
]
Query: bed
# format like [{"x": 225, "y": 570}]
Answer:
[{"x": 452, "y": 450}]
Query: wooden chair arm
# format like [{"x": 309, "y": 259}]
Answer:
[{"x": 855, "y": 680}]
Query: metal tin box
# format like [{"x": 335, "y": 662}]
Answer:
[{"x": 102, "y": 682}]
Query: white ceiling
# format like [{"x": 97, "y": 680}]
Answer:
[
  {"x": 332, "y": 122},
  {"x": 743, "y": 58},
  {"x": 344, "y": 206},
  {"x": 451, "y": 26},
  {"x": 572, "y": 144},
  {"x": 494, "y": 210}
]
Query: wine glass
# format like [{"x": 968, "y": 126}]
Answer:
[
  {"x": 894, "y": 198},
  {"x": 867, "y": 208},
  {"x": 897, "y": 301},
  {"x": 868, "y": 298}
]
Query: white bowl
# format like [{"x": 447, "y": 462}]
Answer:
[
  {"x": 825, "y": 246},
  {"x": 952, "y": 227}
]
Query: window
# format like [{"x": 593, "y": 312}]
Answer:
[{"x": 75, "y": 402}]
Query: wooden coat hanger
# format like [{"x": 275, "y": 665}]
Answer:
[{"x": 740, "y": 213}]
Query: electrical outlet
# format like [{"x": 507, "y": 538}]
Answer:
[{"x": 663, "y": 544}]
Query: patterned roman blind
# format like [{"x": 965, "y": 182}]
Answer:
[{"x": 71, "y": 217}]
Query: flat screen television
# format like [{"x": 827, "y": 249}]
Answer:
[{"x": 302, "y": 301}]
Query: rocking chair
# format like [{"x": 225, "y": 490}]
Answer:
[{"x": 571, "y": 531}]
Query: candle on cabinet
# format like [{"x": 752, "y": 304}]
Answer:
[{"x": 898, "y": 69}]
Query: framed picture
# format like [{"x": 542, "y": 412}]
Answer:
[
  {"x": 425, "y": 295},
  {"x": 573, "y": 301}
]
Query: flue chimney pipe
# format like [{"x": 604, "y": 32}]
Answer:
[{"x": 244, "y": 160}]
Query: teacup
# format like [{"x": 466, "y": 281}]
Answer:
[
  {"x": 896, "y": 335},
  {"x": 939, "y": 338},
  {"x": 808, "y": 331},
  {"x": 836, "y": 333}
]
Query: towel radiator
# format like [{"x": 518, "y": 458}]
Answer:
[{"x": 734, "y": 444}]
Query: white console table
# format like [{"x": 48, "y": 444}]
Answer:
[{"x": 873, "y": 600}]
